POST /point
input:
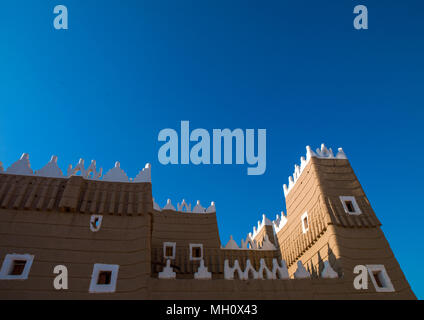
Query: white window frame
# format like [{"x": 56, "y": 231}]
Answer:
[
  {"x": 385, "y": 280},
  {"x": 94, "y": 217},
  {"x": 169, "y": 244},
  {"x": 104, "y": 288},
  {"x": 354, "y": 203},
  {"x": 7, "y": 266},
  {"x": 302, "y": 218},
  {"x": 195, "y": 245}
]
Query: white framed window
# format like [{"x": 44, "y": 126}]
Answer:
[
  {"x": 95, "y": 222},
  {"x": 380, "y": 278},
  {"x": 305, "y": 222},
  {"x": 350, "y": 205},
  {"x": 16, "y": 266},
  {"x": 196, "y": 252},
  {"x": 104, "y": 278},
  {"x": 169, "y": 250}
]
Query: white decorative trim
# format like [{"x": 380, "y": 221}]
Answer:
[
  {"x": 52, "y": 170},
  {"x": 196, "y": 245},
  {"x": 211, "y": 208},
  {"x": 202, "y": 272},
  {"x": 167, "y": 272},
  {"x": 169, "y": 206},
  {"x": 279, "y": 223},
  {"x": 183, "y": 206},
  {"x": 352, "y": 199},
  {"x": 231, "y": 244},
  {"x": 384, "y": 279},
  {"x": 301, "y": 272},
  {"x": 198, "y": 208},
  {"x": 94, "y": 227},
  {"x": 7, "y": 266},
  {"x": 302, "y": 221},
  {"x": 328, "y": 272},
  {"x": 278, "y": 272},
  {"x": 116, "y": 174},
  {"x": 104, "y": 288},
  {"x": 169, "y": 244},
  {"x": 21, "y": 167},
  {"x": 265, "y": 222},
  {"x": 322, "y": 153}
]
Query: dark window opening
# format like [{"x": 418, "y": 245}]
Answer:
[
  {"x": 196, "y": 252},
  {"x": 378, "y": 279},
  {"x": 18, "y": 267},
  {"x": 349, "y": 206},
  {"x": 104, "y": 277},
  {"x": 169, "y": 251},
  {"x": 305, "y": 223}
]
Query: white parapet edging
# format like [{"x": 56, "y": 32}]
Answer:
[
  {"x": 185, "y": 207},
  {"x": 167, "y": 272},
  {"x": 231, "y": 244},
  {"x": 202, "y": 272},
  {"x": 277, "y": 273},
  {"x": 301, "y": 272},
  {"x": 52, "y": 170},
  {"x": 328, "y": 272},
  {"x": 322, "y": 153}
]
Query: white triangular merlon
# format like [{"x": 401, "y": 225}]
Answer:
[
  {"x": 279, "y": 222},
  {"x": 156, "y": 206},
  {"x": 301, "y": 272},
  {"x": 144, "y": 175},
  {"x": 167, "y": 272},
  {"x": 211, "y": 208},
  {"x": 277, "y": 272},
  {"x": 322, "y": 153},
  {"x": 202, "y": 273},
  {"x": 184, "y": 207},
  {"x": 21, "y": 167},
  {"x": 51, "y": 169},
  {"x": 198, "y": 208},
  {"x": 328, "y": 272},
  {"x": 116, "y": 174},
  {"x": 231, "y": 244},
  {"x": 169, "y": 206},
  {"x": 265, "y": 222}
]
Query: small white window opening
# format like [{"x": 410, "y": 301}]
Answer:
[
  {"x": 104, "y": 278},
  {"x": 350, "y": 205},
  {"x": 380, "y": 278},
  {"x": 169, "y": 250},
  {"x": 95, "y": 222},
  {"x": 196, "y": 252},
  {"x": 16, "y": 266},
  {"x": 305, "y": 222}
]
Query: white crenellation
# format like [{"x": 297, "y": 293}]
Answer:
[
  {"x": 52, "y": 170},
  {"x": 328, "y": 272},
  {"x": 167, "y": 272},
  {"x": 185, "y": 207},
  {"x": 301, "y": 272},
  {"x": 322, "y": 153},
  {"x": 202, "y": 272},
  {"x": 21, "y": 167},
  {"x": 277, "y": 272}
]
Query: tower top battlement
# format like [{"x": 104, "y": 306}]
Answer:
[{"x": 322, "y": 153}]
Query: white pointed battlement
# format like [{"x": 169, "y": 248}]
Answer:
[
  {"x": 185, "y": 207},
  {"x": 52, "y": 170},
  {"x": 322, "y": 153}
]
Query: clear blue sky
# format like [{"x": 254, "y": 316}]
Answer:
[{"x": 127, "y": 69}]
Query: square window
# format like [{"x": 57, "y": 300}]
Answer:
[
  {"x": 169, "y": 250},
  {"x": 16, "y": 266},
  {"x": 196, "y": 252},
  {"x": 104, "y": 278},
  {"x": 305, "y": 222},
  {"x": 380, "y": 278},
  {"x": 350, "y": 205}
]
